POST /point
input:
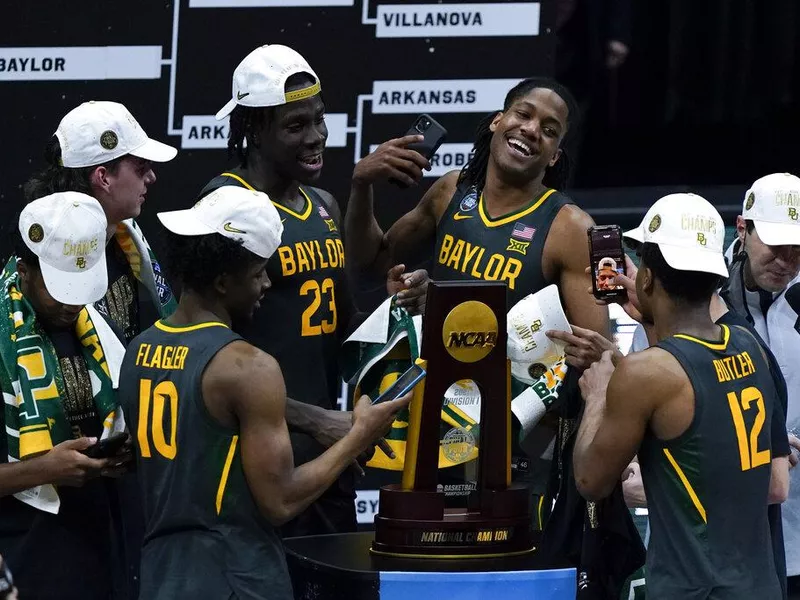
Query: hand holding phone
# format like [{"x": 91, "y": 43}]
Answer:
[
  {"x": 606, "y": 260},
  {"x": 434, "y": 134},
  {"x": 107, "y": 447}
]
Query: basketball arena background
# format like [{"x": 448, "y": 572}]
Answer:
[{"x": 706, "y": 101}]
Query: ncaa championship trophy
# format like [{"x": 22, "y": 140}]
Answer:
[{"x": 464, "y": 337}]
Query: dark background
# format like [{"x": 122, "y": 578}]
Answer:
[{"x": 707, "y": 99}]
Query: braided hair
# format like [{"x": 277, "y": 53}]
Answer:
[{"x": 474, "y": 172}]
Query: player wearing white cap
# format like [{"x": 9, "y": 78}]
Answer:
[
  {"x": 59, "y": 362},
  {"x": 764, "y": 287},
  {"x": 99, "y": 149},
  {"x": 697, "y": 408},
  {"x": 278, "y": 135},
  {"x": 214, "y": 457}
]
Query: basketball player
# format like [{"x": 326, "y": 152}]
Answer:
[
  {"x": 278, "y": 134},
  {"x": 697, "y": 408},
  {"x": 213, "y": 453},
  {"x": 99, "y": 149},
  {"x": 500, "y": 218}
]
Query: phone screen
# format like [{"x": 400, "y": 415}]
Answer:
[
  {"x": 608, "y": 259},
  {"x": 406, "y": 381}
]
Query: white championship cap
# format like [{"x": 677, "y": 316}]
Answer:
[
  {"x": 97, "y": 132},
  {"x": 67, "y": 232},
  {"x": 260, "y": 79},
  {"x": 773, "y": 204},
  {"x": 689, "y": 232},
  {"x": 236, "y": 213},
  {"x": 530, "y": 351}
]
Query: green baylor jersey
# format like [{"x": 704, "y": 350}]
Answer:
[
  {"x": 204, "y": 535},
  {"x": 471, "y": 245},
  {"x": 300, "y": 314},
  {"x": 707, "y": 489}
]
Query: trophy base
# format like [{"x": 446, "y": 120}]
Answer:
[{"x": 414, "y": 524}]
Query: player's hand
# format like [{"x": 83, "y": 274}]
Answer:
[
  {"x": 121, "y": 462},
  {"x": 794, "y": 450},
  {"x": 392, "y": 160},
  {"x": 66, "y": 465},
  {"x": 633, "y": 486},
  {"x": 584, "y": 346},
  {"x": 594, "y": 381},
  {"x": 336, "y": 425},
  {"x": 373, "y": 421},
  {"x": 631, "y": 306},
  {"x": 411, "y": 288}
]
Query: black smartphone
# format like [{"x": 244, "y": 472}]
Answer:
[
  {"x": 108, "y": 447},
  {"x": 434, "y": 134},
  {"x": 607, "y": 260},
  {"x": 404, "y": 384}
]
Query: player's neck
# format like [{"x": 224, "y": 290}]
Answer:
[
  {"x": 263, "y": 176},
  {"x": 503, "y": 194},
  {"x": 193, "y": 308},
  {"x": 690, "y": 319}
]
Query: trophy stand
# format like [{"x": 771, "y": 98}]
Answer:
[{"x": 464, "y": 337}]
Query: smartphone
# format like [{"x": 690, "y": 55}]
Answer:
[
  {"x": 607, "y": 260},
  {"x": 107, "y": 447},
  {"x": 404, "y": 383},
  {"x": 434, "y": 133}
]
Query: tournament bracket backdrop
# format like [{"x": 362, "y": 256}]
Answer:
[{"x": 380, "y": 64}]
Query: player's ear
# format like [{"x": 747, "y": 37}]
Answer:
[
  {"x": 221, "y": 284},
  {"x": 495, "y": 121},
  {"x": 555, "y": 158},
  {"x": 648, "y": 281}
]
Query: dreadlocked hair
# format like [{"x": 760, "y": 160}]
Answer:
[
  {"x": 474, "y": 172},
  {"x": 55, "y": 177},
  {"x": 245, "y": 121}
]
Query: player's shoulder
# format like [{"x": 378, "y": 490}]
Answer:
[
  {"x": 438, "y": 196},
  {"x": 571, "y": 218},
  {"x": 651, "y": 370},
  {"x": 239, "y": 360}
]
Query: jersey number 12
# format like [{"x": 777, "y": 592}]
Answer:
[{"x": 749, "y": 454}]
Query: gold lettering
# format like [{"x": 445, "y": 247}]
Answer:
[
  {"x": 322, "y": 263},
  {"x": 511, "y": 271},
  {"x": 444, "y": 253},
  {"x": 288, "y": 264},
  {"x": 493, "y": 267},
  {"x": 308, "y": 247},
  {"x": 333, "y": 258},
  {"x": 749, "y": 361},
  {"x": 155, "y": 360},
  {"x": 169, "y": 351},
  {"x": 791, "y": 198},
  {"x": 302, "y": 259},
  {"x": 455, "y": 255},
  {"x": 141, "y": 355},
  {"x": 471, "y": 251},
  {"x": 340, "y": 251}
]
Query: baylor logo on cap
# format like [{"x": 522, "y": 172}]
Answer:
[
  {"x": 80, "y": 262},
  {"x": 751, "y": 199},
  {"x": 655, "y": 223},
  {"x": 701, "y": 239},
  {"x": 35, "y": 233},
  {"x": 536, "y": 326},
  {"x": 109, "y": 140},
  {"x": 469, "y": 332},
  {"x": 793, "y": 214}
]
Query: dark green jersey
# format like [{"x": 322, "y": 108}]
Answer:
[
  {"x": 204, "y": 535},
  {"x": 471, "y": 245},
  {"x": 707, "y": 489},
  {"x": 299, "y": 316}
]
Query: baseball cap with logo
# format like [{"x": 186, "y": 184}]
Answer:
[
  {"x": 236, "y": 213},
  {"x": 260, "y": 79},
  {"x": 97, "y": 132},
  {"x": 689, "y": 232},
  {"x": 530, "y": 351},
  {"x": 67, "y": 232},
  {"x": 773, "y": 204}
]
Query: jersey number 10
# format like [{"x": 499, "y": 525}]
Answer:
[
  {"x": 749, "y": 454},
  {"x": 152, "y": 403}
]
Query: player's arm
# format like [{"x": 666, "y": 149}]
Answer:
[
  {"x": 566, "y": 253},
  {"x": 250, "y": 383},
  {"x": 779, "y": 477},
  {"x": 368, "y": 248},
  {"x": 614, "y": 420}
]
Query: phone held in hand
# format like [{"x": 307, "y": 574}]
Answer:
[
  {"x": 434, "y": 134},
  {"x": 607, "y": 260},
  {"x": 403, "y": 385},
  {"x": 108, "y": 447}
]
